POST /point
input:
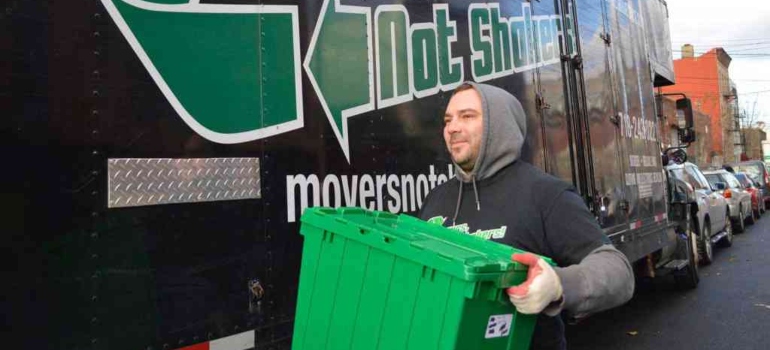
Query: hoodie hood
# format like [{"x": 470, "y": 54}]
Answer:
[{"x": 505, "y": 125}]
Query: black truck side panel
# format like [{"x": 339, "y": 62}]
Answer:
[{"x": 86, "y": 273}]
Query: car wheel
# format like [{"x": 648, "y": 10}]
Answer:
[
  {"x": 727, "y": 240},
  {"x": 741, "y": 222},
  {"x": 751, "y": 219},
  {"x": 756, "y": 214},
  {"x": 705, "y": 249}
]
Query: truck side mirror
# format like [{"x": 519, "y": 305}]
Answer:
[
  {"x": 684, "y": 119},
  {"x": 721, "y": 186}
]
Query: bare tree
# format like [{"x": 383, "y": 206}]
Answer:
[{"x": 748, "y": 115}]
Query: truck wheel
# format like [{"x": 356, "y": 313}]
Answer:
[
  {"x": 688, "y": 278},
  {"x": 755, "y": 215},
  {"x": 705, "y": 249},
  {"x": 750, "y": 217},
  {"x": 727, "y": 241}
]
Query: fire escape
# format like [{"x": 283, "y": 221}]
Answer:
[{"x": 738, "y": 136}]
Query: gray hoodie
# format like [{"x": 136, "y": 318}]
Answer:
[
  {"x": 506, "y": 126},
  {"x": 521, "y": 206}
]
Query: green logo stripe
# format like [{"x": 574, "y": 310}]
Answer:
[{"x": 230, "y": 71}]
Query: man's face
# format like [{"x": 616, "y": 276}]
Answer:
[{"x": 463, "y": 128}]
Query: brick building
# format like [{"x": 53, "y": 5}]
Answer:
[
  {"x": 753, "y": 138},
  {"x": 706, "y": 81}
]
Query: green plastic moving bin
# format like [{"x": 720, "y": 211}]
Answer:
[{"x": 374, "y": 280}]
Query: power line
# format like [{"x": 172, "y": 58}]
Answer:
[
  {"x": 758, "y": 47},
  {"x": 752, "y": 57},
  {"x": 697, "y": 83},
  {"x": 717, "y": 79},
  {"x": 743, "y": 57},
  {"x": 754, "y": 92},
  {"x": 739, "y": 48},
  {"x": 707, "y": 94},
  {"x": 731, "y": 54},
  {"x": 722, "y": 41},
  {"x": 723, "y": 44}
]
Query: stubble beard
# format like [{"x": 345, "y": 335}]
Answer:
[{"x": 464, "y": 161}]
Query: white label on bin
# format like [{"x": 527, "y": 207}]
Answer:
[{"x": 498, "y": 326}]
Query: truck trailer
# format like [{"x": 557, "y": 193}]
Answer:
[{"x": 159, "y": 153}]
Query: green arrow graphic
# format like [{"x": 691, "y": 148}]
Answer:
[
  {"x": 339, "y": 65},
  {"x": 231, "y": 72}
]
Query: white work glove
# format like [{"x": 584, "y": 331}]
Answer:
[{"x": 541, "y": 289}]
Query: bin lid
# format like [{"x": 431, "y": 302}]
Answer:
[{"x": 461, "y": 255}]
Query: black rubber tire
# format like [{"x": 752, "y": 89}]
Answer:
[
  {"x": 741, "y": 222},
  {"x": 750, "y": 218},
  {"x": 727, "y": 241},
  {"x": 705, "y": 248},
  {"x": 688, "y": 278}
]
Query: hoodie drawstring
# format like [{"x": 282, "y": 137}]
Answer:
[
  {"x": 476, "y": 192},
  {"x": 457, "y": 207},
  {"x": 460, "y": 199}
]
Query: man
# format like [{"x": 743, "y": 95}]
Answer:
[{"x": 521, "y": 206}]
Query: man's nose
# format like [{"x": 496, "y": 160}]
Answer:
[{"x": 452, "y": 126}]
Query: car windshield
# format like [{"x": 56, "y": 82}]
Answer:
[
  {"x": 713, "y": 179},
  {"x": 744, "y": 180},
  {"x": 732, "y": 181},
  {"x": 753, "y": 170}
]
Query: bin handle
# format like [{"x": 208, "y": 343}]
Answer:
[{"x": 506, "y": 281}]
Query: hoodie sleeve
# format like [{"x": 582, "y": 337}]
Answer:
[
  {"x": 601, "y": 281},
  {"x": 595, "y": 276}
]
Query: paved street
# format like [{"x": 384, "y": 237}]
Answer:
[{"x": 730, "y": 309}]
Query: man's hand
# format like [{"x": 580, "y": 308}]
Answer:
[{"x": 541, "y": 289}]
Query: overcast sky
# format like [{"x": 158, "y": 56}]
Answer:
[{"x": 742, "y": 28}]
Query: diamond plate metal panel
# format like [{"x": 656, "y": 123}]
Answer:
[{"x": 153, "y": 181}]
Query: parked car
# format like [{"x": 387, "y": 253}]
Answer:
[
  {"x": 738, "y": 199},
  {"x": 758, "y": 172},
  {"x": 710, "y": 212},
  {"x": 757, "y": 202}
]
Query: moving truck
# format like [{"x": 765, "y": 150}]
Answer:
[{"x": 159, "y": 153}]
